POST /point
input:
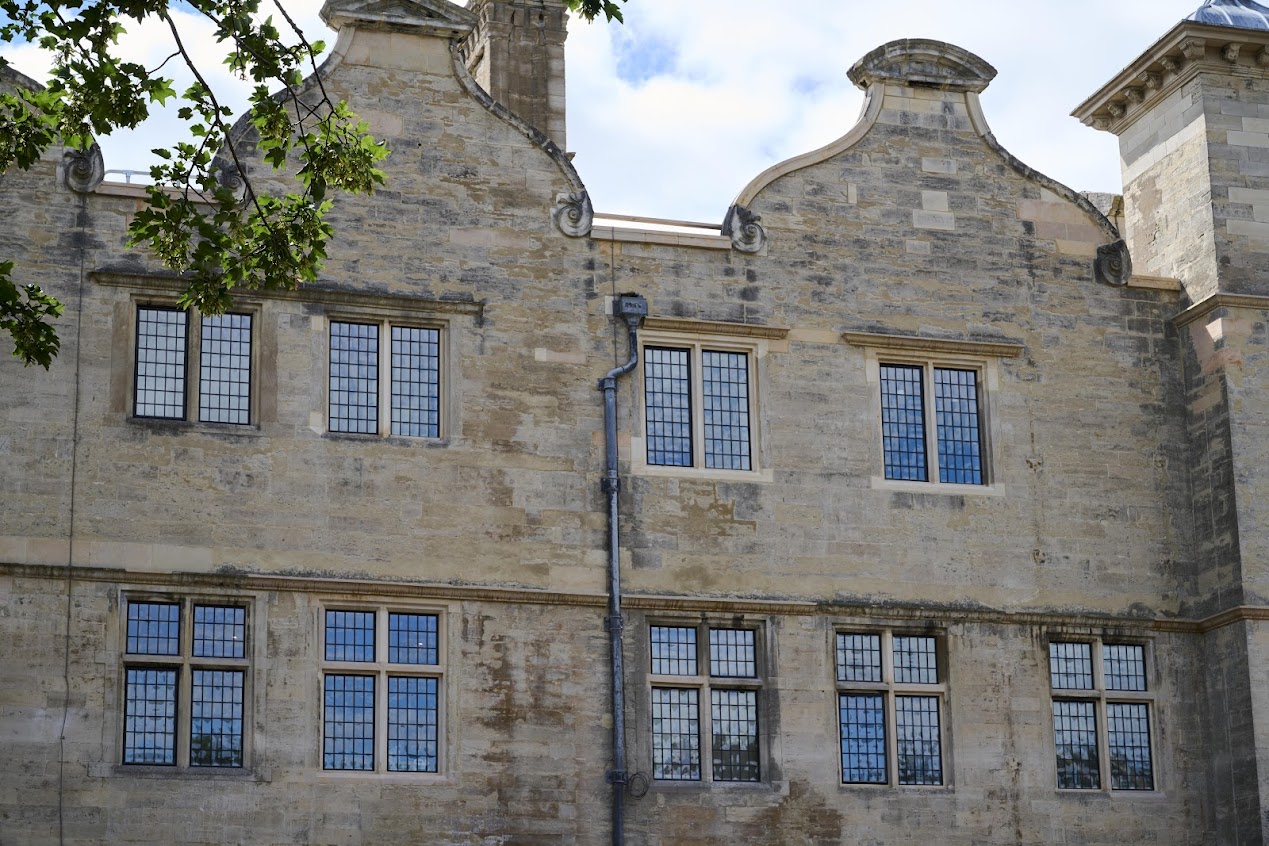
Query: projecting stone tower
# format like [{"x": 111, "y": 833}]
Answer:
[
  {"x": 516, "y": 53},
  {"x": 1192, "y": 117}
]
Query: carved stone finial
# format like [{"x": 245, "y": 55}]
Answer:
[
  {"x": 83, "y": 170},
  {"x": 745, "y": 230},
  {"x": 573, "y": 214},
  {"x": 924, "y": 62},
  {"x": 1193, "y": 48},
  {"x": 1230, "y": 53},
  {"x": 1113, "y": 265}
]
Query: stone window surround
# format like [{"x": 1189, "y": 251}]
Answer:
[
  {"x": 380, "y": 669},
  {"x": 761, "y": 683},
  {"x": 253, "y": 684},
  {"x": 981, "y": 357},
  {"x": 193, "y": 354},
  {"x": 753, "y": 340},
  {"x": 1100, "y": 696},
  {"x": 385, "y": 319},
  {"x": 889, "y": 689}
]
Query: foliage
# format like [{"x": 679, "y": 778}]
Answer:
[{"x": 204, "y": 219}]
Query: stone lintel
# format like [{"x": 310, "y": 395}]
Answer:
[
  {"x": 946, "y": 346},
  {"x": 690, "y": 326},
  {"x": 1182, "y": 54}
]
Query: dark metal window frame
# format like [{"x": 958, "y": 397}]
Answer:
[
  {"x": 193, "y": 365},
  {"x": 930, "y": 429},
  {"x": 706, "y": 685},
  {"x": 386, "y": 386},
  {"x": 383, "y": 671},
  {"x": 696, "y": 349},
  {"x": 1102, "y": 699},
  {"x": 185, "y": 664},
  {"x": 890, "y": 689}
]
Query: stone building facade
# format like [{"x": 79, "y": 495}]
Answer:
[{"x": 940, "y": 507}]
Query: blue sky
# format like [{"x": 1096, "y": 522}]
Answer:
[{"x": 673, "y": 113}]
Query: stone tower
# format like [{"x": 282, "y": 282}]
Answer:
[
  {"x": 516, "y": 53},
  {"x": 1192, "y": 117}
]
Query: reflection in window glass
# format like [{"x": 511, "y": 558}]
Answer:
[
  {"x": 915, "y": 661},
  {"x": 957, "y": 426},
  {"x": 920, "y": 756},
  {"x": 903, "y": 422},
  {"x": 219, "y": 631},
  {"x": 160, "y": 366},
  {"x": 676, "y": 726},
  {"x": 1071, "y": 666},
  {"x": 725, "y": 390},
  {"x": 412, "y": 725},
  {"x": 154, "y": 628},
  {"x": 667, "y": 401},
  {"x": 735, "y": 734},
  {"x": 1124, "y": 666},
  {"x": 1128, "y": 725},
  {"x": 354, "y": 377},
  {"x": 224, "y": 380},
  {"x": 859, "y": 657},
  {"x": 416, "y": 382},
  {"x": 216, "y": 718},
  {"x": 349, "y": 712},
  {"x": 1075, "y": 736},
  {"x": 350, "y": 635},
  {"x": 863, "y": 736},
  {"x": 149, "y": 732},
  {"x": 673, "y": 650},
  {"x": 412, "y": 638}
]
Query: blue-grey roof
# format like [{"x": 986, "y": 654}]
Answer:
[{"x": 1245, "y": 14}]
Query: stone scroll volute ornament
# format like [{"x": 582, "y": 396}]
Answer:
[
  {"x": 573, "y": 214},
  {"x": 83, "y": 170},
  {"x": 745, "y": 230}
]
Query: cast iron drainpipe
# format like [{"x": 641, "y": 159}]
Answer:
[{"x": 632, "y": 308}]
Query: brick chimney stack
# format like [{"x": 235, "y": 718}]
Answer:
[{"x": 516, "y": 53}]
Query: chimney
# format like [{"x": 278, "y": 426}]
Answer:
[{"x": 516, "y": 53}]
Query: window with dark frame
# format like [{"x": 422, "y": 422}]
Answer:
[
  {"x": 161, "y": 374},
  {"x": 1101, "y": 715},
  {"x": 679, "y": 689},
  {"x": 913, "y": 429},
  {"x": 411, "y": 358},
  {"x": 381, "y": 691},
  {"x": 697, "y": 407},
  {"x": 890, "y": 695},
  {"x": 185, "y": 681}
]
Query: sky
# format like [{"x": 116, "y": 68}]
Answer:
[{"x": 673, "y": 113}]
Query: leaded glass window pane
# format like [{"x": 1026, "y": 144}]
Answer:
[
  {"x": 224, "y": 380},
  {"x": 667, "y": 399},
  {"x": 354, "y": 377},
  {"x": 732, "y": 653},
  {"x": 735, "y": 731},
  {"x": 1128, "y": 724},
  {"x": 725, "y": 395},
  {"x": 859, "y": 657},
  {"x": 412, "y": 725},
  {"x": 149, "y": 721},
  {"x": 1075, "y": 736},
  {"x": 957, "y": 426},
  {"x": 216, "y": 718},
  {"x": 920, "y": 758},
  {"x": 220, "y": 632},
  {"x": 416, "y": 382},
  {"x": 350, "y": 635},
  {"x": 673, "y": 650},
  {"x": 903, "y": 422},
  {"x": 1124, "y": 666},
  {"x": 412, "y": 638},
  {"x": 348, "y": 741},
  {"x": 154, "y": 628},
  {"x": 1071, "y": 666},
  {"x": 676, "y": 734},
  {"x": 160, "y": 367},
  {"x": 915, "y": 660},
  {"x": 863, "y": 737}
]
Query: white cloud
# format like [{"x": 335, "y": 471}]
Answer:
[{"x": 672, "y": 114}]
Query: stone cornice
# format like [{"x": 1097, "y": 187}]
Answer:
[
  {"x": 1184, "y": 52},
  {"x": 915, "y": 343},
  {"x": 687, "y": 326},
  {"x": 1199, "y": 310},
  {"x": 423, "y": 17},
  {"x": 314, "y": 293}
]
